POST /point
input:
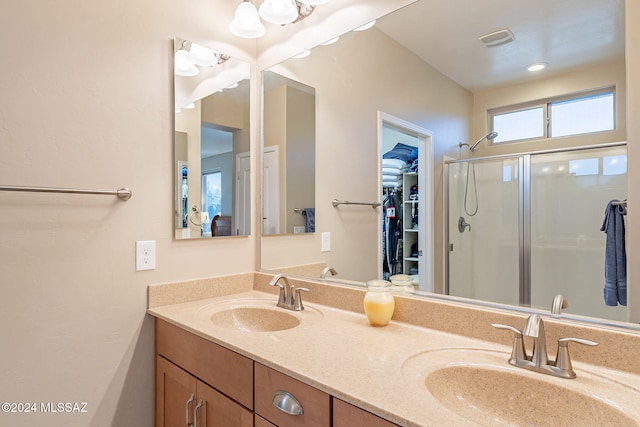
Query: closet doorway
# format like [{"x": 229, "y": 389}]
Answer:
[{"x": 406, "y": 215}]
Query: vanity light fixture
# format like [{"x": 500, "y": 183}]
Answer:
[
  {"x": 191, "y": 55},
  {"x": 246, "y": 22},
  {"x": 536, "y": 67}
]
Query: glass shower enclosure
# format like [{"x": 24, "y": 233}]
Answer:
[{"x": 523, "y": 228}]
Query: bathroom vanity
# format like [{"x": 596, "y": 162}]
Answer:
[{"x": 231, "y": 357}]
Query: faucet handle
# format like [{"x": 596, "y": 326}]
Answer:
[
  {"x": 563, "y": 360},
  {"x": 282, "y": 295},
  {"x": 297, "y": 302},
  {"x": 517, "y": 352}
]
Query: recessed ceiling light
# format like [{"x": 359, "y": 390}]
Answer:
[
  {"x": 331, "y": 41},
  {"x": 536, "y": 67},
  {"x": 366, "y": 26},
  {"x": 303, "y": 54}
]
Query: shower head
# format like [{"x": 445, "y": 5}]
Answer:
[{"x": 490, "y": 136}]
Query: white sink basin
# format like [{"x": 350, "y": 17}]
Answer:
[
  {"x": 257, "y": 315},
  {"x": 480, "y": 386}
]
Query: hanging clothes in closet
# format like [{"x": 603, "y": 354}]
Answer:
[{"x": 391, "y": 232}]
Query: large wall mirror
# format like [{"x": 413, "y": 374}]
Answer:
[
  {"x": 426, "y": 65},
  {"x": 212, "y": 189}
]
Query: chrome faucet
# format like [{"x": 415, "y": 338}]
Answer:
[
  {"x": 326, "y": 271},
  {"x": 535, "y": 329},
  {"x": 559, "y": 302},
  {"x": 289, "y": 296},
  {"x": 539, "y": 359}
]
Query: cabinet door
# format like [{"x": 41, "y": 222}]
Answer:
[
  {"x": 347, "y": 415},
  {"x": 220, "y": 411},
  {"x": 175, "y": 394}
]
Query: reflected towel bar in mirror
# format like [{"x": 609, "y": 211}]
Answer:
[
  {"x": 336, "y": 202},
  {"x": 122, "y": 193}
]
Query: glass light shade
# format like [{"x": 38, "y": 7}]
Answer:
[
  {"x": 313, "y": 2},
  {"x": 279, "y": 11},
  {"x": 202, "y": 56},
  {"x": 246, "y": 22},
  {"x": 183, "y": 65}
]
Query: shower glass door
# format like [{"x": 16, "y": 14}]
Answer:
[
  {"x": 484, "y": 233},
  {"x": 569, "y": 194},
  {"x": 523, "y": 229}
]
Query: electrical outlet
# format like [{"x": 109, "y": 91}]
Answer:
[
  {"x": 145, "y": 255},
  {"x": 326, "y": 241},
  {"x": 299, "y": 229}
]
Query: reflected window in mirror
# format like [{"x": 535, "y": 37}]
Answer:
[{"x": 212, "y": 143}]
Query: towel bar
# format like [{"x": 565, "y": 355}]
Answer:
[
  {"x": 336, "y": 202},
  {"x": 122, "y": 193}
]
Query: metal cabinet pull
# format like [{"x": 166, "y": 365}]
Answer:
[
  {"x": 195, "y": 413},
  {"x": 284, "y": 401},
  {"x": 191, "y": 399}
]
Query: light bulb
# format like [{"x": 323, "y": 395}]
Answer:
[
  {"x": 279, "y": 11},
  {"x": 183, "y": 65},
  {"x": 246, "y": 22},
  {"x": 202, "y": 56}
]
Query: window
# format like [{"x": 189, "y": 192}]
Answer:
[
  {"x": 573, "y": 115},
  {"x": 211, "y": 196}
]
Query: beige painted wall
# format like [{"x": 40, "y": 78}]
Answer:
[
  {"x": 87, "y": 104},
  {"x": 300, "y": 155},
  {"x": 360, "y": 75}
]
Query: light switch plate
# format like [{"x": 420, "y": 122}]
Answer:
[
  {"x": 326, "y": 241},
  {"x": 145, "y": 255}
]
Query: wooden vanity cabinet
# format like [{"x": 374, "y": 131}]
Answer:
[
  {"x": 187, "y": 364},
  {"x": 347, "y": 415},
  {"x": 191, "y": 369}
]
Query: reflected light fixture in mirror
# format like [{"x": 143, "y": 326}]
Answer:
[
  {"x": 190, "y": 56},
  {"x": 246, "y": 22}
]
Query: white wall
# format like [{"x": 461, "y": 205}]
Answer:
[{"x": 86, "y": 103}]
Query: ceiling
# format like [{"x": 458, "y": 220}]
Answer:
[{"x": 565, "y": 34}]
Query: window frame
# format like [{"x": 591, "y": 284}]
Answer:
[{"x": 547, "y": 119}]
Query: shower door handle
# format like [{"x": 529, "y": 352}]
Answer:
[{"x": 462, "y": 224}]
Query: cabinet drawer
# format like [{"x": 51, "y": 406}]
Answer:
[
  {"x": 347, "y": 415},
  {"x": 227, "y": 371},
  {"x": 316, "y": 404}
]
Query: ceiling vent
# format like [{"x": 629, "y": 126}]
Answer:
[{"x": 497, "y": 38}]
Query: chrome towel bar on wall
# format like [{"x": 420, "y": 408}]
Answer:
[
  {"x": 123, "y": 194},
  {"x": 336, "y": 202}
]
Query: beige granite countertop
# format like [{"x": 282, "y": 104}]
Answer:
[{"x": 337, "y": 351}]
